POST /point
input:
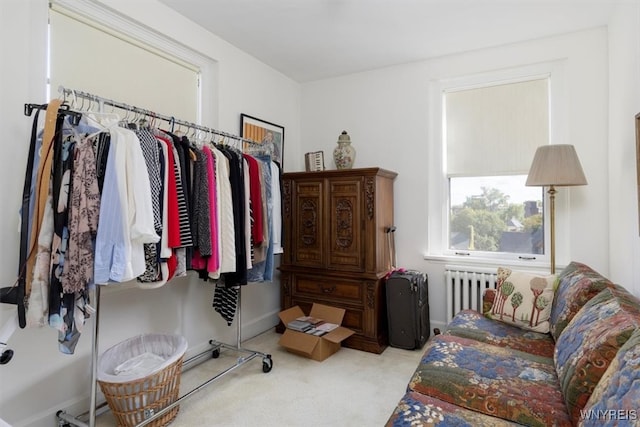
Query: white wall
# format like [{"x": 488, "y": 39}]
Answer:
[
  {"x": 386, "y": 112},
  {"x": 624, "y": 104},
  {"x": 39, "y": 380}
]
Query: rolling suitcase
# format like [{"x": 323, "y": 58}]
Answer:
[
  {"x": 407, "y": 295},
  {"x": 407, "y": 309}
]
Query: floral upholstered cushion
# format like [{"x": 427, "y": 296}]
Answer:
[
  {"x": 471, "y": 324},
  {"x": 576, "y": 285},
  {"x": 523, "y": 299},
  {"x": 496, "y": 381},
  {"x": 416, "y": 409},
  {"x": 589, "y": 343},
  {"x": 616, "y": 398}
]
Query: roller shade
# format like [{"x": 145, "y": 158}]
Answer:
[
  {"x": 495, "y": 130},
  {"x": 87, "y": 56}
]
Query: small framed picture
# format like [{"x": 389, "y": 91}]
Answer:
[
  {"x": 314, "y": 161},
  {"x": 263, "y": 132}
]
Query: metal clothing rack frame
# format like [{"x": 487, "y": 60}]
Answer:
[
  {"x": 101, "y": 101},
  {"x": 65, "y": 419}
]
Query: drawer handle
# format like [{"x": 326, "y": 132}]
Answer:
[{"x": 328, "y": 290}]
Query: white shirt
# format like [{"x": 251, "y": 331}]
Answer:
[
  {"x": 126, "y": 213},
  {"x": 226, "y": 229},
  {"x": 276, "y": 225}
]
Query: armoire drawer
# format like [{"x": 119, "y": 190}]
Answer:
[{"x": 333, "y": 288}]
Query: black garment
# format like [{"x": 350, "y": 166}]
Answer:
[
  {"x": 180, "y": 166},
  {"x": 101, "y": 148},
  {"x": 184, "y": 147},
  {"x": 225, "y": 301},
  {"x": 236, "y": 178},
  {"x": 16, "y": 294},
  {"x": 62, "y": 170},
  {"x": 200, "y": 208}
]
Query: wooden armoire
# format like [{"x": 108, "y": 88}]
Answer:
[{"x": 336, "y": 249}]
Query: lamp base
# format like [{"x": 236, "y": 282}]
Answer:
[{"x": 552, "y": 214}]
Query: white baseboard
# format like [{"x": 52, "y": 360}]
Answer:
[
  {"x": 259, "y": 325},
  {"x": 48, "y": 417}
]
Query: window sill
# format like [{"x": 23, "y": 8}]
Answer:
[{"x": 492, "y": 264}]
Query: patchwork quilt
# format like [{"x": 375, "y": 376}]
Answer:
[
  {"x": 416, "y": 409},
  {"x": 471, "y": 324},
  {"x": 496, "y": 381}
]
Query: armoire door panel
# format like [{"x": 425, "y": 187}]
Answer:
[
  {"x": 308, "y": 224},
  {"x": 345, "y": 229}
]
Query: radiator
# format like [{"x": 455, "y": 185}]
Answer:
[{"x": 465, "y": 286}]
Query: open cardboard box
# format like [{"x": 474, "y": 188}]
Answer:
[{"x": 313, "y": 347}]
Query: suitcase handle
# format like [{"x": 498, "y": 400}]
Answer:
[{"x": 391, "y": 246}]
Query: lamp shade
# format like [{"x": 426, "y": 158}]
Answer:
[{"x": 556, "y": 165}]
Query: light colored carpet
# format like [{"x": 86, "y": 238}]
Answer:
[{"x": 349, "y": 388}]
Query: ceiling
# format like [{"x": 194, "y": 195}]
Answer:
[{"x": 314, "y": 39}]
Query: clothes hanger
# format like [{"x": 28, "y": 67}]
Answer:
[
  {"x": 181, "y": 131},
  {"x": 142, "y": 121},
  {"x": 125, "y": 121},
  {"x": 96, "y": 112},
  {"x": 153, "y": 119},
  {"x": 201, "y": 136}
]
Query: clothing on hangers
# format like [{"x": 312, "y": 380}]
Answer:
[{"x": 144, "y": 205}]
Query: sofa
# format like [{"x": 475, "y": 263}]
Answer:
[{"x": 571, "y": 358}]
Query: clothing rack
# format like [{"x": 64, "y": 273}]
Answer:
[
  {"x": 72, "y": 95},
  {"x": 65, "y": 419}
]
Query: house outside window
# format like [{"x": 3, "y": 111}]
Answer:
[{"x": 495, "y": 214}]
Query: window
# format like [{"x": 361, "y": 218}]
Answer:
[
  {"x": 491, "y": 134},
  {"x": 495, "y": 214},
  {"x": 486, "y": 129},
  {"x": 95, "y": 50}
]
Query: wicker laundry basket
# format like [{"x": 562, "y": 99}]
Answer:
[{"x": 134, "y": 398}]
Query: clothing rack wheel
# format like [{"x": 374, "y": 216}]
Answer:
[
  {"x": 267, "y": 361},
  {"x": 6, "y": 356}
]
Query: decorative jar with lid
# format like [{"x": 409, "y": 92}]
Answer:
[{"x": 344, "y": 154}]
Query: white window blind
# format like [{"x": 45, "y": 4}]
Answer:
[
  {"x": 88, "y": 56},
  {"x": 495, "y": 130}
]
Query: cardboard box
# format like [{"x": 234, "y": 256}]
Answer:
[{"x": 307, "y": 345}]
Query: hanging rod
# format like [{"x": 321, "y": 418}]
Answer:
[
  {"x": 64, "y": 109},
  {"x": 72, "y": 93}
]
